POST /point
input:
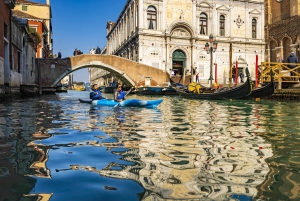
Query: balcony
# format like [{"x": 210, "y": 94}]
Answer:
[{"x": 10, "y": 3}]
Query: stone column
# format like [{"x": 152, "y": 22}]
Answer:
[{"x": 141, "y": 14}]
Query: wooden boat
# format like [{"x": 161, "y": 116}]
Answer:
[
  {"x": 155, "y": 90},
  {"x": 164, "y": 89},
  {"x": 62, "y": 88},
  {"x": 125, "y": 103},
  {"x": 110, "y": 89},
  {"x": 219, "y": 94},
  {"x": 264, "y": 91}
]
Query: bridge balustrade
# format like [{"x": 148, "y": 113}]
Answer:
[{"x": 282, "y": 73}]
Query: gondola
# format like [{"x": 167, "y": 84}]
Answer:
[
  {"x": 219, "y": 94},
  {"x": 155, "y": 90},
  {"x": 264, "y": 91}
]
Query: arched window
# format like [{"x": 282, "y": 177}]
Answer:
[
  {"x": 203, "y": 24},
  {"x": 151, "y": 17},
  {"x": 222, "y": 25},
  {"x": 254, "y": 26}
]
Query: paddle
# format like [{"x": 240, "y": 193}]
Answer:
[{"x": 130, "y": 90}]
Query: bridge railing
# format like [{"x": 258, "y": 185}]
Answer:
[{"x": 283, "y": 73}]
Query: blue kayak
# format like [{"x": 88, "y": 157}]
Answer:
[{"x": 128, "y": 103}]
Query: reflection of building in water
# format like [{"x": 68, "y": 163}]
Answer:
[
  {"x": 214, "y": 167},
  {"x": 217, "y": 159},
  {"x": 282, "y": 182},
  {"x": 38, "y": 166},
  {"x": 12, "y": 183}
]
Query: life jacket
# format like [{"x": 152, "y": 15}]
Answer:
[
  {"x": 121, "y": 95},
  {"x": 95, "y": 94}
]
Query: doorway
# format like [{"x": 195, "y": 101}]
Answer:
[{"x": 178, "y": 63}]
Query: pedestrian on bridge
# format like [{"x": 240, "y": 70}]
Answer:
[
  {"x": 75, "y": 52},
  {"x": 292, "y": 59},
  {"x": 98, "y": 51}
]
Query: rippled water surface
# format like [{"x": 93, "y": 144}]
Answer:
[{"x": 55, "y": 148}]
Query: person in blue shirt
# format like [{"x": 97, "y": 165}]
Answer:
[
  {"x": 95, "y": 94},
  {"x": 119, "y": 94},
  {"x": 292, "y": 59}
]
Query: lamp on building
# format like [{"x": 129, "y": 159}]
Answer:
[{"x": 211, "y": 48}]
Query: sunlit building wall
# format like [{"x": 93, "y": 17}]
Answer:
[
  {"x": 282, "y": 22},
  {"x": 171, "y": 35},
  {"x": 41, "y": 11}
]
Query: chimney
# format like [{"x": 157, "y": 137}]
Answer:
[{"x": 48, "y": 2}]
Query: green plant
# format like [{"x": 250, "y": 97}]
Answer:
[{"x": 35, "y": 35}]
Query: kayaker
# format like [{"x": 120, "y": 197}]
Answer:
[
  {"x": 119, "y": 94},
  {"x": 95, "y": 94}
]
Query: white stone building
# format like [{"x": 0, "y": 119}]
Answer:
[{"x": 171, "y": 35}]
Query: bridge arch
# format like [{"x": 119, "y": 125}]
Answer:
[
  {"x": 97, "y": 64},
  {"x": 51, "y": 71}
]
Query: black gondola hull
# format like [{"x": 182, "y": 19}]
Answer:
[
  {"x": 221, "y": 94},
  {"x": 155, "y": 91},
  {"x": 264, "y": 91}
]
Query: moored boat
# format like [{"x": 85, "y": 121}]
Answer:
[
  {"x": 164, "y": 89},
  {"x": 62, "y": 88},
  {"x": 264, "y": 91},
  {"x": 155, "y": 90},
  {"x": 219, "y": 94}
]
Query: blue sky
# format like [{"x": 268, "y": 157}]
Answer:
[{"x": 81, "y": 24}]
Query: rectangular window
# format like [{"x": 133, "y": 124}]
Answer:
[
  {"x": 222, "y": 25},
  {"x": 203, "y": 27},
  {"x": 5, "y": 30},
  {"x": 19, "y": 62},
  {"x": 222, "y": 32},
  {"x": 24, "y": 8},
  {"x": 33, "y": 29},
  {"x": 151, "y": 21},
  {"x": 254, "y": 26}
]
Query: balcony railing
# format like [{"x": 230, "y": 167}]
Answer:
[{"x": 10, "y": 3}]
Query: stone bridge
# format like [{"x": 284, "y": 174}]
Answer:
[{"x": 50, "y": 71}]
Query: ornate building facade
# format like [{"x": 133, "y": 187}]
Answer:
[
  {"x": 282, "y": 32},
  {"x": 171, "y": 35}
]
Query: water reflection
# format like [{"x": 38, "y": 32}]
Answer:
[
  {"x": 185, "y": 149},
  {"x": 19, "y": 123},
  {"x": 207, "y": 153}
]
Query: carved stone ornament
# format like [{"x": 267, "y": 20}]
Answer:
[
  {"x": 239, "y": 21},
  {"x": 180, "y": 32}
]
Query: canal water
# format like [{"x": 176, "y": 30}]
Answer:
[{"x": 58, "y": 149}]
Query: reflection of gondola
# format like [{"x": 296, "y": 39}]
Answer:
[
  {"x": 264, "y": 91},
  {"x": 224, "y": 93}
]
